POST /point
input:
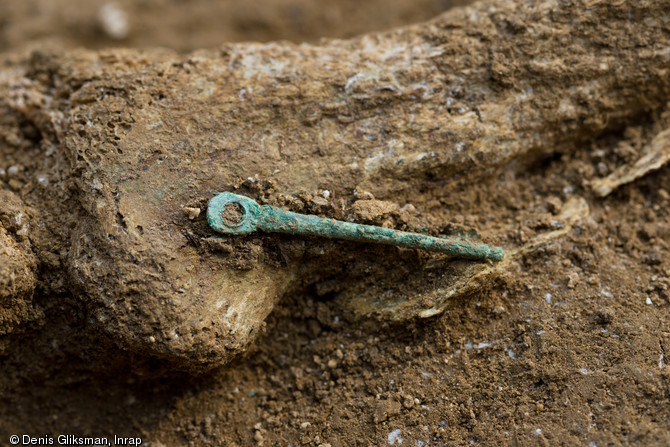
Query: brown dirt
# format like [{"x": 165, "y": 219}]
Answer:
[
  {"x": 570, "y": 346},
  {"x": 232, "y": 214},
  {"x": 195, "y": 24}
]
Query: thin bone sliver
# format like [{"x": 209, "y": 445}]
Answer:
[{"x": 655, "y": 155}]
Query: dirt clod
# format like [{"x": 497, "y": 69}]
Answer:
[{"x": 232, "y": 214}]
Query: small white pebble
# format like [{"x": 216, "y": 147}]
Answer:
[
  {"x": 192, "y": 213},
  {"x": 12, "y": 171},
  {"x": 113, "y": 21},
  {"x": 325, "y": 194},
  {"x": 548, "y": 297},
  {"x": 304, "y": 425},
  {"x": 394, "y": 437},
  {"x": 648, "y": 301}
]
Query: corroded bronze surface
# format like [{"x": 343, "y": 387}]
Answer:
[{"x": 275, "y": 220}]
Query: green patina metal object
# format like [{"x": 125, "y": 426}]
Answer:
[{"x": 230, "y": 213}]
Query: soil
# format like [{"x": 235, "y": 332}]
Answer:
[
  {"x": 192, "y": 25},
  {"x": 232, "y": 214},
  {"x": 569, "y": 345}
]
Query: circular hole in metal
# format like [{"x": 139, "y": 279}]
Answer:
[{"x": 233, "y": 214}]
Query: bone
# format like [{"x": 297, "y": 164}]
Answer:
[{"x": 654, "y": 156}]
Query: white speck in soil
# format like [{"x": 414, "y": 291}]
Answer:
[{"x": 394, "y": 437}]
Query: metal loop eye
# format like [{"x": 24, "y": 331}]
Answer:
[{"x": 233, "y": 214}]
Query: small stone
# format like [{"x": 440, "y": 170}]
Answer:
[
  {"x": 554, "y": 204},
  {"x": 192, "y": 213},
  {"x": 363, "y": 195},
  {"x": 332, "y": 363},
  {"x": 15, "y": 184},
  {"x": 305, "y": 425},
  {"x": 573, "y": 280},
  {"x": 653, "y": 258},
  {"x": 12, "y": 171},
  {"x": 408, "y": 402},
  {"x": 604, "y": 316},
  {"x": 499, "y": 309},
  {"x": 320, "y": 201},
  {"x": 385, "y": 409},
  {"x": 114, "y": 21},
  {"x": 258, "y": 436},
  {"x": 371, "y": 210},
  {"x": 602, "y": 168},
  {"x": 394, "y": 437}
]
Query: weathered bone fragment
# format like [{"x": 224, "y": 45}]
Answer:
[{"x": 654, "y": 156}]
